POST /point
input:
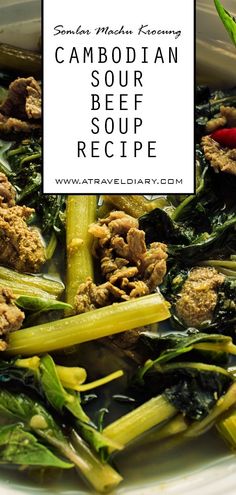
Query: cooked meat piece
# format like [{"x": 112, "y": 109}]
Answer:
[
  {"x": 23, "y": 100},
  {"x": 215, "y": 123},
  {"x": 11, "y": 317},
  {"x": 20, "y": 246},
  {"x": 91, "y": 296},
  {"x": 11, "y": 124},
  {"x": 229, "y": 113},
  {"x": 153, "y": 265},
  {"x": 21, "y": 110},
  {"x": 125, "y": 272},
  {"x": 134, "y": 248},
  {"x": 198, "y": 297},
  {"x": 129, "y": 268},
  {"x": 126, "y": 340},
  {"x": 110, "y": 265},
  {"x": 100, "y": 232},
  {"x": 119, "y": 222},
  {"x": 227, "y": 118},
  {"x": 33, "y": 100},
  {"x": 136, "y": 243},
  {"x": 138, "y": 289},
  {"x": 120, "y": 247},
  {"x": 223, "y": 159},
  {"x": 7, "y": 191}
]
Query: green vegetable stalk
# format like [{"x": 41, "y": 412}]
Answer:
[
  {"x": 227, "y": 19},
  {"x": 89, "y": 326},
  {"x": 36, "y": 420}
]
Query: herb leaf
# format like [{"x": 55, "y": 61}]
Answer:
[
  {"x": 227, "y": 19},
  {"x": 21, "y": 447}
]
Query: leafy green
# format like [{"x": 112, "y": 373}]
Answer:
[
  {"x": 192, "y": 387},
  {"x": 227, "y": 19},
  {"x": 59, "y": 398},
  {"x": 31, "y": 413},
  {"x": 158, "y": 221},
  {"x": 18, "y": 446},
  {"x": 22, "y": 163},
  {"x": 225, "y": 309},
  {"x": 45, "y": 382},
  {"x": 40, "y": 304},
  {"x": 51, "y": 385},
  {"x": 202, "y": 225},
  {"x": 194, "y": 390},
  {"x": 196, "y": 345},
  {"x": 35, "y": 418}
]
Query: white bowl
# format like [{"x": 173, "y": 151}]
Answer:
[
  {"x": 20, "y": 23},
  {"x": 204, "y": 465},
  {"x": 216, "y": 54}
]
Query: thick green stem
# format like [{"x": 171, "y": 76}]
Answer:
[
  {"x": 227, "y": 429},
  {"x": 11, "y": 278},
  {"x": 102, "y": 477},
  {"x": 80, "y": 213},
  {"x": 222, "y": 405},
  {"x": 174, "y": 427},
  {"x": 140, "y": 420},
  {"x": 89, "y": 326}
]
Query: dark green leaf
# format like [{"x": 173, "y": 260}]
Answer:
[
  {"x": 39, "y": 304},
  {"x": 227, "y": 19},
  {"x": 18, "y": 446}
]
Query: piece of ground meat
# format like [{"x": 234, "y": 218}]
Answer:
[
  {"x": 129, "y": 268},
  {"x": 198, "y": 297},
  {"x": 11, "y": 317},
  {"x": 221, "y": 159},
  {"x": 23, "y": 100},
  {"x": 227, "y": 118},
  {"x": 21, "y": 247},
  {"x": 7, "y": 191},
  {"x": 229, "y": 113},
  {"x": 21, "y": 110},
  {"x": 91, "y": 296},
  {"x": 10, "y": 125}
]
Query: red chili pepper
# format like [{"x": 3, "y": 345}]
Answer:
[{"x": 225, "y": 137}]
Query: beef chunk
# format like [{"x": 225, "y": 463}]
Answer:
[
  {"x": 11, "y": 317},
  {"x": 221, "y": 159},
  {"x": 227, "y": 118},
  {"x": 21, "y": 110},
  {"x": 129, "y": 268},
  {"x": 7, "y": 191},
  {"x": 20, "y": 246},
  {"x": 198, "y": 297},
  {"x": 23, "y": 100}
]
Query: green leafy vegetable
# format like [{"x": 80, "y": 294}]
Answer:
[
  {"x": 163, "y": 349},
  {"x": 40, "y": 304},
  {"x": 35, "y": 418},
  {"x": 59, "y": 398},
  {"x": 18, "y": 446},
  {"x": 195, "y": 388},
  {"x": 194, "y": 392},
  {"x": 227, "y": 19},
  {"x": 22, "y": 163},
  {"x": 201, "y": 226}
]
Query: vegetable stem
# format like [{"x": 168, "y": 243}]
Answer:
[
  {"x": 173, "y": 427},
  {"x": 23, "y": 282},
  {"x": 143, "y": 418},
  {"x": 227, "y": 429},
  {"x": 96, "y": 324},
  {"x": 80, "y": 213},
  {"x": 222, "y": 405},
  {"x": 98, "y": 383},
  {"x": 101, "y": 476},
  {"x": 135, "y": 206}
]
